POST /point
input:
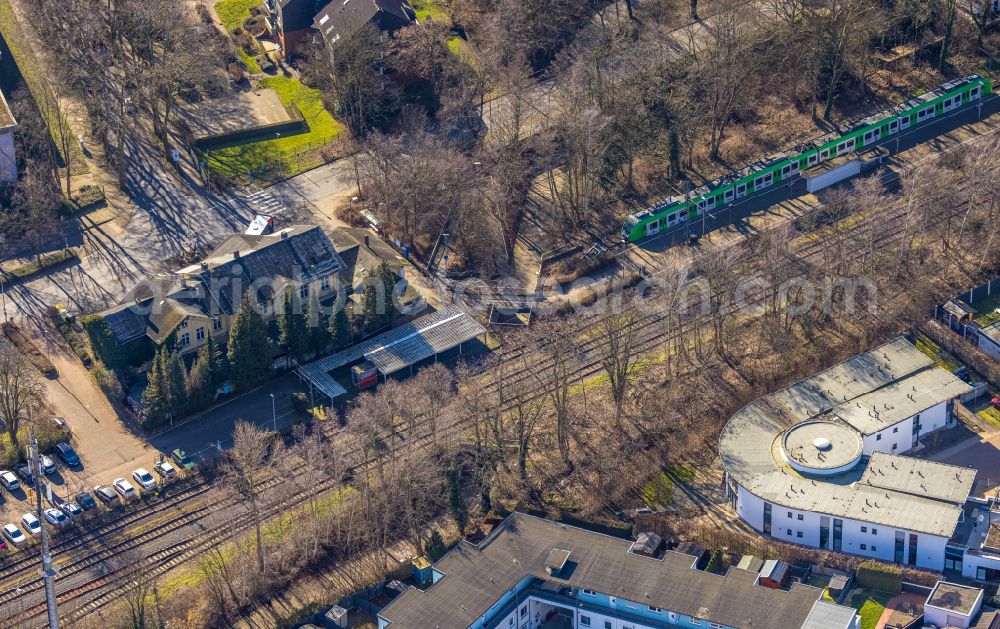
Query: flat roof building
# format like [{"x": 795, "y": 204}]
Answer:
[
  {"x": 952, "y": 605},
  {"x": 818, "y": 463},
  {"x": 529, "y": 570}
]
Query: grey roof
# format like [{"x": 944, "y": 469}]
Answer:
[
  {"x": 750, "y": 444},
  {"x": 992, "y": 331},
  {"x": 341, "y": 18},
  {"x": 958, "y": 308},
  {"x": 904, "y": 474},
  {"x": 826, "y": 615},
  {"x": 476, "y": 576},
  {"x": 216, "y": 285},
  {"x": 398, "y": 348},
  {"x": 960, "y": 599}
]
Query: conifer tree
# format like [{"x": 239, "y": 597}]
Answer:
[
  {"x": 318, "y": 324},
  {"x": 341, "y": 333},
  {"x": 156, "y": 397},
  {"x": 176, "y": 385},
  {"x": 293, "y": 335},
  {"x": 249, "y": 348}
]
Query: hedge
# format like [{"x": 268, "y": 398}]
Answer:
[
  {"x": 86, "y": 198},
  {"x": 44, "y": 262},
  {"x": 107, "y": 348},
  {"x": 880, "y": 576}
]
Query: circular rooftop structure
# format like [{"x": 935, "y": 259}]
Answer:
[{"x": 821, "y": 447}]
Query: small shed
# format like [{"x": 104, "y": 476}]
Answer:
[
  {"x": 773, "y": 573},
  {"x": 952, "y": 605},
  {"x": 422, "y": 573},
  {"x": 839, "y": 584},
  {"x": 336, "y": 618},
  {"x": 647, "y": 544},
  {"x": 394, "y": 588},
  {"x": 695, "y": 550},
  {"x": 957, "y": 312},
  {"x": 751, "y": 563}
]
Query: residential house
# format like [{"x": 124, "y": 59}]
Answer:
[
  {"x": 361, "y": 252},
  {"x": 343, "y": 18},
  {"x": 201, "y": 299},
  {"x": 8, "y": 160},
  {"x": 293, "y": 23},
  {"x": 530, "y": 573}
]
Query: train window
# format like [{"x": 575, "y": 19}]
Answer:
[
  {"x": 893, "y": 125},
  {"x": 729, "y": 194},
  {"x": 741, "y": 189},
  {"x": 824, "y": 154},
  {"x": 974, "y": 93},
  {"x": 812, "y": 159}
]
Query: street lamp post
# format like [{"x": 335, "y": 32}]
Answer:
[{"x": 274, "y": 414}]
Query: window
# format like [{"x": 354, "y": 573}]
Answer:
[
  {"x": 812, "y": 159},
  {"x": 798, "y": 534},
  {"x": 895, "y": 429},
  {"x": 584, "y": 621},
  {"x": 789, "y": 532},
  {"x": 874, "y": 532},
  {"x": 607, "y": 624},
  {"x": 184, "y": 324},
  {"x": 524, "y": 611},
  {"x": 974, "y": 93},
  {"x": 655, "y": 610},
  {"x": 185, "y": 339},
  {"x": 864, "y": 529},
  {"x": 789, "y": 515},
  {"x": 590, "y": 592},
  {"x": 324, "y": 283},
  {"x": 864, "y": 547},
  {"x": 893, "y": 126},
  {"x": 304, "y": 291},
  {"x": 824, "y": 154},
  {"x": 217, "y": 325},
  {"x": 878, "y": 437},
  {"x": 895, "y": 445},
  {"x": 801, "y": 517},
  {"x": 200, "y": 334},
  {"x": 873, "y": 547}
]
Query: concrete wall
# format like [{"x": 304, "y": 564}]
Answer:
[{"x": 989, "y": 347}]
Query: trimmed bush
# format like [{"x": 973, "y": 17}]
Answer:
[
  {"x": 109, "y": 383},
  {"x": 880, "y": 576},
  {"x": 42, "y": 263}
]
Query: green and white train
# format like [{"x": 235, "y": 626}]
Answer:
[{"x": 760, "y": 176}]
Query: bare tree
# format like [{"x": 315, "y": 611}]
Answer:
[
  {"x": 21, "y": 389},
  {"x": 247, "y": 466},
  {"x": 560, "y": 354},
  {"x": 618, "y": 352}
]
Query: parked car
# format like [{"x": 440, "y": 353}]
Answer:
[
  {"x": 69, "y": 508},
  {"x": 56, "y": 517},
  {"x": 48, "y": 465},
  {"x": 124, "y": 488},
  {"x": 13, "y": 534},
  {"x": 165, "y": 470},
  {"x": 9, "y": 481},
  {"x": 995, "y": 402},
  {"x": 86, "y": 501},
  {"x": 3, "y": 544},
  {"x": 25, "y": 473},
  {"x": 144, "y": 478},
  {"x": 106, "y": 494},
  {"x": 31, "y": 524},
  {"x": 181, "y": 458},
  {"x": 67, "y": 454}
]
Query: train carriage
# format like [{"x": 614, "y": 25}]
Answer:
[{"x": 760, "y": 176}]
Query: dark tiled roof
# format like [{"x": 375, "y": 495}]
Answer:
[
  {"x": 126, "y": 323},
  {"x": 341, "y": 18},
  {"x": 476, "y": 576}
]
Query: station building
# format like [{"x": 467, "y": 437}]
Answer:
[{"x": 819, "y": 463}]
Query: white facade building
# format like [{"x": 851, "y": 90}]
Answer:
[{"x": 816, "y": 463}]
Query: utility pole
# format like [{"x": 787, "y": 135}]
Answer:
[{"x": 48, "y": 570}]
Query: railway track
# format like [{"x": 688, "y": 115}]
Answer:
[{"x": 103, "y": 590}]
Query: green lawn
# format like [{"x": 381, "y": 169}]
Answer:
[
  {"x": 991, "y": 416},
  {"x": 232, "y": 13},
  {"x": 933, "y": 351},
  {"x": 271, "y": 160},
  {"x": 460, "y": 48},
  {"x": 33, "y": 75},
  {"x": 428, "y": 9},
  {"x": 870, "y": 605}
]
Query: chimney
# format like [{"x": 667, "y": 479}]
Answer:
[
  {"x": 236, "y": 255},
  {"x": 366, "y": 240},
  {"x": 284, "y": 235},
  {"x": 204, "y": 266}
]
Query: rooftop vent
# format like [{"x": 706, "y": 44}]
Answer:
[{"x": 822, "y": 444}]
